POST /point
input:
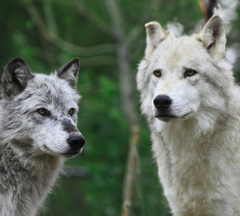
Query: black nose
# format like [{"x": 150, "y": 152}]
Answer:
[
  {"x": 76, "y": 142},
  {"x": 162, "y": 102}
]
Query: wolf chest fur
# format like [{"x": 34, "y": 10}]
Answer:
[
  {"x": 38, "y": 116},
  {"x": 192, "y": 106}
]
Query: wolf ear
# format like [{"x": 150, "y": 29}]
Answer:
[
  {"x": 155, "y": 34},
  {"x": 213, "y": 37},
  {"x": 69, "y": 72},
  {"x": 15, "y": 77}
]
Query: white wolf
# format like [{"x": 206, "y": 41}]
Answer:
[
  {"x": 193, "y": 110},
  {"x": 38, "y": 116}
]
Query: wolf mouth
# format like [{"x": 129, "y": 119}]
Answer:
[
  {"x": 71, "y": 154},
  {"x": 165, "y": 116},
  {"x": 171, "y": 117},
  {"x": 67, "y": 154}
]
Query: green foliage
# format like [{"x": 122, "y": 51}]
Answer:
[{"x": 101, "y": 119}]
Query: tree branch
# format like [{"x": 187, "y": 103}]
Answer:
[
  {"x": 50, "y": 34},
  {"x": 36, "y": 18},
  {"x": 134, "y": 34},
  {"x": 51, "y": 24},
  {"x": 147, "y": 12},
  {"x": 82, "y": 9},
  {"x": 131, "y": 167},
  {"x": 116, "y": 18},
  {"x": 82, "y": 51},
  {"x": 98, "y": 60},
  {"x": 90, "y": 61}
]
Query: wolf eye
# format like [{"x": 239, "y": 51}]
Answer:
[
  {"x": 189, "y": 73},
  {"x": 71, "y": 111},
  {"x": 43, "y": 111},
  {"x": 157, "y": 73}
]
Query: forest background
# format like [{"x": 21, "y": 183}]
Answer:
[{"x": 109, "y": 37}]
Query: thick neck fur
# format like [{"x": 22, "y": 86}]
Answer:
[{"x": 25, "y": 180}]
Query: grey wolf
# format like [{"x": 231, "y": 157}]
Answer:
[
  {"x": 38, "y": 116},
  {"x": 192, "y": 107}
]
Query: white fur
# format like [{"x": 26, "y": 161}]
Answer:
[{"x": 197, "y": 152}]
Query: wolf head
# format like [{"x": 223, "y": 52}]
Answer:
[
  {"x": 184, "y": 77},
  {"x": 38, "y": 113}
]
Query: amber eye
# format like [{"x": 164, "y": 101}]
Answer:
[
  {"x": 189, "y": 73},
  {"x": 43, "y": 111},
  {"x": 71, "y": 111},
  {"x": 157, "y": 73}
]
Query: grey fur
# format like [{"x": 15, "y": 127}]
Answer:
[
  {"x": 69, "y": 72},
  {"x": 68, "y": 126},
  {"x": 15, "y": 78},
  {"x": 33, "y": 146}
]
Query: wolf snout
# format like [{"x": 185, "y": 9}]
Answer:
[
  {"x": 76, "y": 142},
  {"x": 162, "y": 102}
]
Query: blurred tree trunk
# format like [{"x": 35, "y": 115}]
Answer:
[
  {"x": 127, "y": 101},
  {"x": 130, "y": 170},
  {"x": 122, "y": 51}
]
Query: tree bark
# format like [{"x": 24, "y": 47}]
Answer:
[{"x": 207, "y": 8}]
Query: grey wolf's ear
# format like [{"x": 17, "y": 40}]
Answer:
[
  {"x": 15, "y": 77},
  {"x": 69, "y": 72},
  {"x": 155, "y": 34},
  {"x": 213, "y": 37}
]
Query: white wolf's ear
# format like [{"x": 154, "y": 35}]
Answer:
[
  {"x": 155, "y": 34},
  {"x": 15, "y": 77},
  {"x": 69, "y": 72},
  {"x": 213, "y": 37}
]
